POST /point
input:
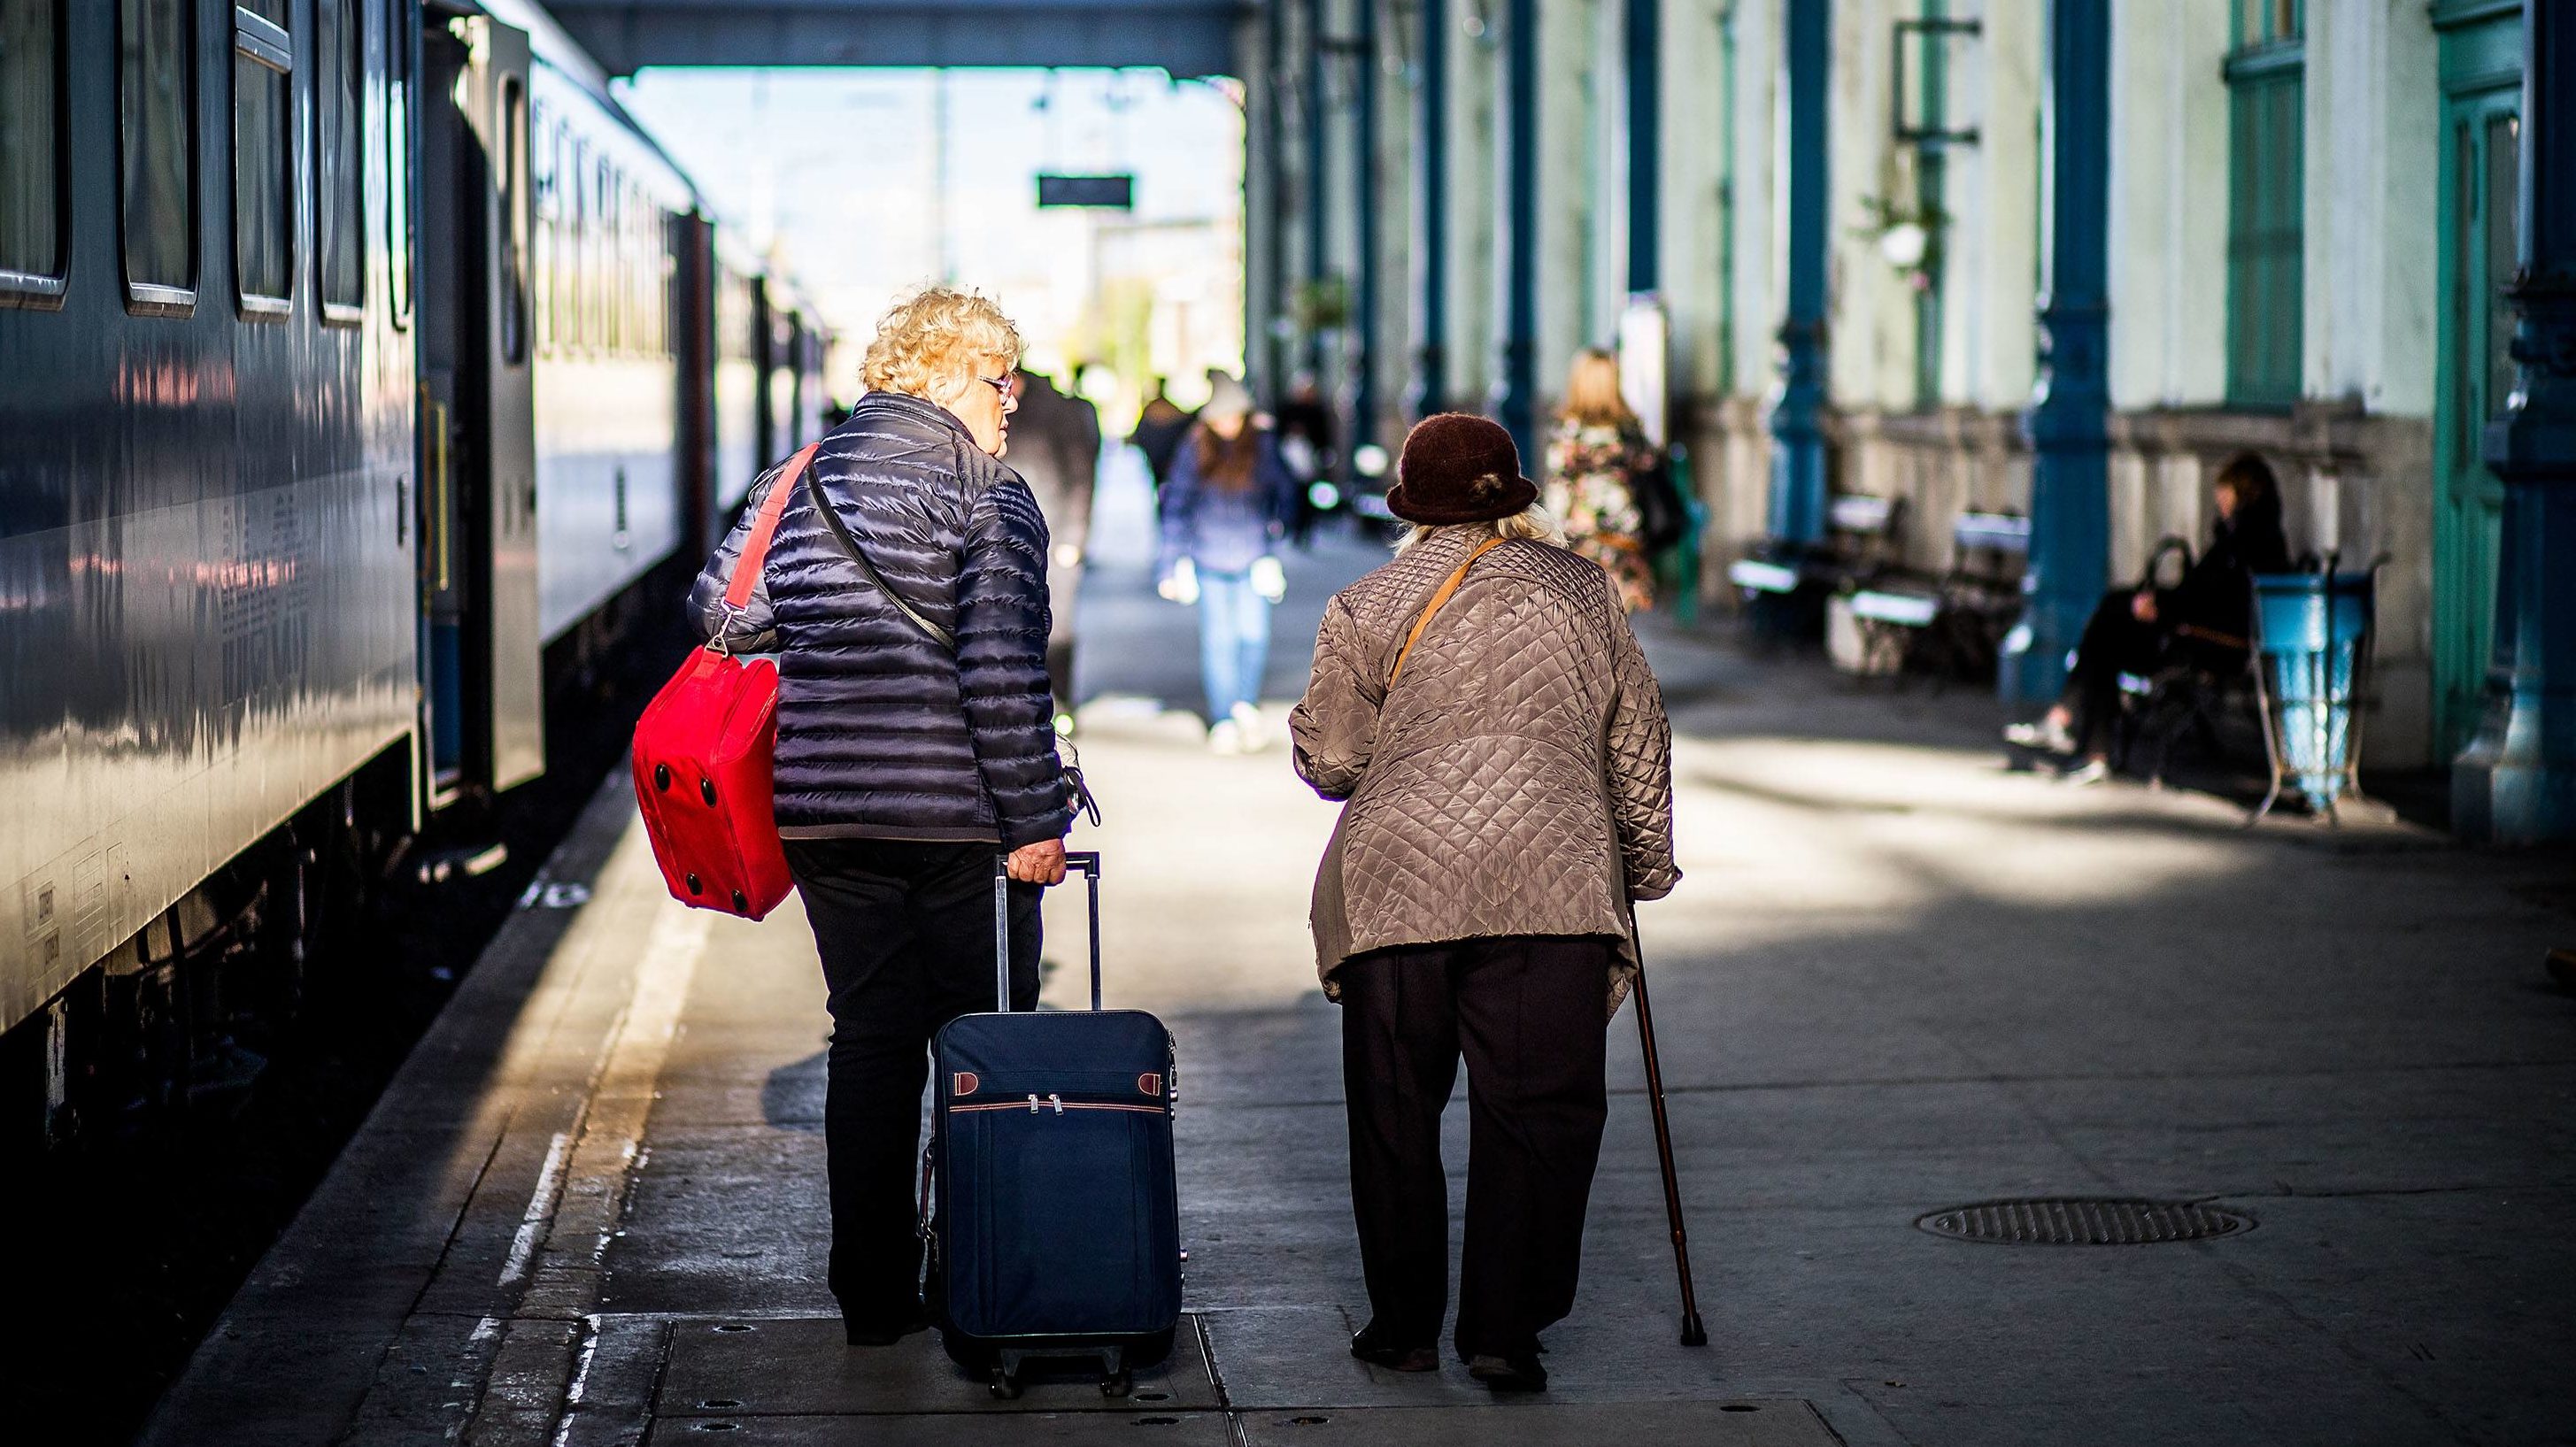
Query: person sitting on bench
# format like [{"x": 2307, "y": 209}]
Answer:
[{"x": 2135, "y": 629}]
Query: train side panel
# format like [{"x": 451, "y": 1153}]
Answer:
[
  {"x": 609, "y": 492},
  {"x": 206, "y": 567}
]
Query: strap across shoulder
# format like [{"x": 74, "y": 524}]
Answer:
[{"x": 1447, "y": 587}]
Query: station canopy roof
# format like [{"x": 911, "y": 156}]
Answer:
[{"x": 1185, "y": 37}]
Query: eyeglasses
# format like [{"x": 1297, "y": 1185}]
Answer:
[{"x": 1001, "y": 384}]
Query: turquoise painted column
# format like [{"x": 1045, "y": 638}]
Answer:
[
  {"x": 1364, "y": 418},
  {"x": 1644, "y": 44},
  {"x": 2068, "y": 423},
  {"x": 1797, "y": 426},
  {"x": 1430, "y": 389},
  {"x": 1273, "y": 340},
  {"x": 1516, "y": 395},
  {"x": 2516, "y": 784},
  {"x": 1319, "y": 190}
]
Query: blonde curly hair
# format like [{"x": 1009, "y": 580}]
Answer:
[{"x": 929, "y": 343}]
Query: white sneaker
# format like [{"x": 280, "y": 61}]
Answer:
[
  {"x": 1226, "y": 737},
  {"x": 1251, "y": 727},
  {"x": 2047, "y": 735},
  {"x": 2094, "y": 771}
]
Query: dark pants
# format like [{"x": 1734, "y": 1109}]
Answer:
[
  {"x": 1527, "y": 1013},
  {"x": 906, "y": 935},
  {"x": 2114, "y": 642}
]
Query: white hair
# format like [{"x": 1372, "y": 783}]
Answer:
[{"x": 1531, "y": 524}]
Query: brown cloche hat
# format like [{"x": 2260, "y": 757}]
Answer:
[{"x": 1458, "y": 468}]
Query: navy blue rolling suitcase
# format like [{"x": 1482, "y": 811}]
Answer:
[{"x": 1057, "y": 1232}]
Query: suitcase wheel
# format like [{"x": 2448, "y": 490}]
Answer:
[
  {"x": 694, "y": 887},
  {"x": 662, "y": 778},
  {"x": 1118, "y": 1383},
  {"x": 707, "y": 791},
  {"x": 1005, "y": 1384}
]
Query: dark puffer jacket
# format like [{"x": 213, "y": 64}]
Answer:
[{"x": 882, "y": 732}]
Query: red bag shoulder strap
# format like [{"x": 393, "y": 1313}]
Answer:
[{"x": 755, "y": 549}]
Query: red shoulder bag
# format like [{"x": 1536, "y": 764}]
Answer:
[{"x": 702, "y": 755}]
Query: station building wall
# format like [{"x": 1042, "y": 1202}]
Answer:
[{"x": 1930, "y": 368}]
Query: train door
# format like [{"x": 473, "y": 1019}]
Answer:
[{"x": 482, "y": 676}]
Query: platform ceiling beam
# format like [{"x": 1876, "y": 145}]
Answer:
[{"x": 1185, "y": 37}]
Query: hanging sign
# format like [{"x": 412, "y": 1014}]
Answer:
[{"x": 1111, "y": 192}]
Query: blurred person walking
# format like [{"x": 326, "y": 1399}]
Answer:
[
  {"x": 1160, "y": 426},
  {"x": 1057, "y": 453},
  {"x": 1310, "y": 443},
  {"x": 1484, "y": 711},
  {"x": 1224, "y": 511},
  {"x": 1600, "y": 471},
  {"x": 905, "y": 598}
]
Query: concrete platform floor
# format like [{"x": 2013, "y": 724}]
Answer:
[{"x": 1898, "y": 978}]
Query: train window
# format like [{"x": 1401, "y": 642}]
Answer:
[
  {"x": 513, "y": 200},
  {"x": 263, "y": 158},
  {"x": 578, "y": 296},
  {"x": 612, "y": 240},
  {"x": 339, "y": 218},
  {"x": 542, "y": 170},
  {"x": 157, "y": 102},
  {"x": 398, "y": 41},
  {"x": 31, "y": 150}
]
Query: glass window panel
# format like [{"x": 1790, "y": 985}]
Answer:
[
  {"x": 2504, "y": 215},
  {"x": 513, "y": 194},
  {"x": 31, "y": 156},
  {"x": 397, "y": 155},
  {"x": 339, "y": 41},
  {"x": 263, "y": 175},
  {"x": 156, "y": 94}
]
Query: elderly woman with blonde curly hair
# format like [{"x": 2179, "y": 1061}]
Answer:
[{"x": 905, "y": 597}]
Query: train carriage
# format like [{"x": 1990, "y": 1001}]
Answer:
[{"x": 352, "y": 353}]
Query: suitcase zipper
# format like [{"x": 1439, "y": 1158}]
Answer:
[{"x": 1041, "y": 1104}]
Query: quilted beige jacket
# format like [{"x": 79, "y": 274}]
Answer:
[{"x": 1516, "y": 781}]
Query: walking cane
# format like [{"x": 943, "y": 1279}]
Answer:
[{"x": 1693, "y": 1334}]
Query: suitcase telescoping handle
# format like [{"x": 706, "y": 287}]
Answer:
[{"x": 1084, "y": 861}]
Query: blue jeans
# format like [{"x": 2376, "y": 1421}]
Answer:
[{"x": 1234, "y": 640}]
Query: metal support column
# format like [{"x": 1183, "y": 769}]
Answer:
[
  {"x": 1274, "y": 155},
  {"x": 1797, "y": 427},
  {"x": 2068, "y": 423},
  {"x": 2516, "y": 784},
  {"x": 1430, "y": 389},
  {"x": 1319, "y": 190},
  {"x": 1643, "y": 36},
  {"x": 1516, "y": 394},
  {"x": 1364, "y": 51}
]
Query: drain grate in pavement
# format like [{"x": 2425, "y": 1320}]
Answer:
[{"x": 2082, "y": 1221}]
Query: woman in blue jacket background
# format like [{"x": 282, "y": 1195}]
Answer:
[{"x": 1225, "y": 508}]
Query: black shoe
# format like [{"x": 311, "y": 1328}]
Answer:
[
  {"x": 1519, "y": 1372},
  {"x": 882, "y": 1333},
  {"x": 1369, "y": 1346}
]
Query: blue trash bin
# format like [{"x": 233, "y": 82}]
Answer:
[{"x": 2313, "y": 628}]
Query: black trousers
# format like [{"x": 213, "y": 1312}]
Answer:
[
  {"x": 2114, "y": 642},
  {"x": 906, "y": 935},
  {"x": 1526, "y": 1012}
]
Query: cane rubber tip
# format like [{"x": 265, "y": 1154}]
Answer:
[{"x": 1694, "y": 1334}]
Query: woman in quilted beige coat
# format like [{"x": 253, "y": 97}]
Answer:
[{"x": 1485, "y": 711}]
